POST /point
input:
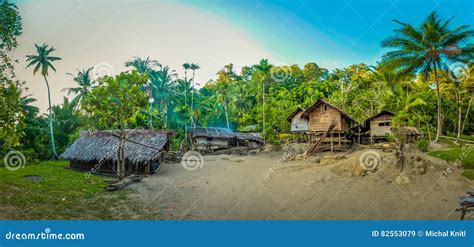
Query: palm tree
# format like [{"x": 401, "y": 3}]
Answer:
[
  {"x": 225, "y": 78},
  {"x": 145, "y": 66},
  {"x": 264, "y": 68},
  {"x": 84, "y": 82},
  {"x": 142, "y": 65},
  {"x": 186, "y": 66},
  {"x": 429, "y": 48},
  {"x": 193, "y": 67},
  {"x": 163, "y": 90},
  {"x": 26, "y": 101},
  {"x": 43, "y": 61}
]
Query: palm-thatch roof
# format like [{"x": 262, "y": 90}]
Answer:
[
  {"x": 321, "y": 101},
  {"x": 213, "y": 132},
  {"x": 248, "y": 136},
  {"x": 140, "y": 145}
]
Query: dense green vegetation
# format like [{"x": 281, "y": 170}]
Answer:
[{"x": 425, "y": 79}]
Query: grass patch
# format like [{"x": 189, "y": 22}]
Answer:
[
  {"x": 59, "y": 194},
  {"x": 465, "y": 155},
  {"x": 469, "y": 173}
]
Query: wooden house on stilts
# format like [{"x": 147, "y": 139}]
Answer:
[
  {"x": 377, "y": 127},
  {"x": 329, "y": 127}
]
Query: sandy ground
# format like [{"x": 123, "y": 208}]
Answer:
[{"x": 244, "y": 187}]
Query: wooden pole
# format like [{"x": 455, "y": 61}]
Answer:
[{"x": 330, "y": 136}]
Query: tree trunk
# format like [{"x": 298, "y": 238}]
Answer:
[
  {"x": 459, "y": 116},
  {"x": 121, "y": 154},
  {"x": 438, "y": 127},
  {"x": 226, "y": 115},
  {"x": 192, "y": 102},
  {"x": 467, "y": 114},
  {"x": 51, "y": 131},
  {"x": 150, "y": 118},
  {"x": 263, "y": 110}
]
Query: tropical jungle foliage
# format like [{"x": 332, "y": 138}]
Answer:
[{"x": 425, "y": 79}]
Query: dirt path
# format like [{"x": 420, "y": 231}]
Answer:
[{"x": 243, "y": 187}]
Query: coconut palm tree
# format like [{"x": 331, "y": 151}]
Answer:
[
  {"x": 43, "y": 61},
  {"x": 142, "y": 65},
  {"x": 226, "y": 77},
  {"x": 84, "y": 81},
  {"x": 264, "y": 68},
  {"x": 429, "y": 48},
  {"x": 193, "y": 67}
]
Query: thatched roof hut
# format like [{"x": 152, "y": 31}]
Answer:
[
  {"x": 141, "y": 147},
  {"x": 215, "y": 138},
  {"x": 212, "y": 132}
]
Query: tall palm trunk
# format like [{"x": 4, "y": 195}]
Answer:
[
  {"x": 458, "y": 99},
  {"x": 51, "y": 132},
  {"x": 439, "y": 122},
  {"x": 226, "y": 115},
  {"x": 467, "y": 114},
  {"x": 192, "y": 100},
  {"x": 263, "y": 109}
]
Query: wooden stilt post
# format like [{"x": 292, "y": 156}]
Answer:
[
  {"x": 330, "y": 136},
  {"x": 147, "y": 168},
  {"x": 340, "y": 139}
]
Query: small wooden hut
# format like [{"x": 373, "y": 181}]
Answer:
[
  {"x": 375, "y": 128},
  {"x": 328, "y": 125},
  {"x": 298, "y": 124},
  {"x": 322, "y": 113},
  {"x": 378, "y": 125},
  {"x": 98, "y": 151},
  {"x": 214, "y": 138}
]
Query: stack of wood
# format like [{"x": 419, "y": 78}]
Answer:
[
  {"x": 466, "y": 203},
  {"x": 117, "y": 185}
]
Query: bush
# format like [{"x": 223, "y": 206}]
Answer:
[{"x": 423, "y": 145}]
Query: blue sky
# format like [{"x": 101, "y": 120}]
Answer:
[{"x": 335, "y": 33}]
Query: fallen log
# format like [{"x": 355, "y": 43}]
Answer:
[
  {"x": 123, "y": 183},
  {"x": 454, "y": 139}
]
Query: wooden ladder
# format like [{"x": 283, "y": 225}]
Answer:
[{"x": 315, "y": 148}]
